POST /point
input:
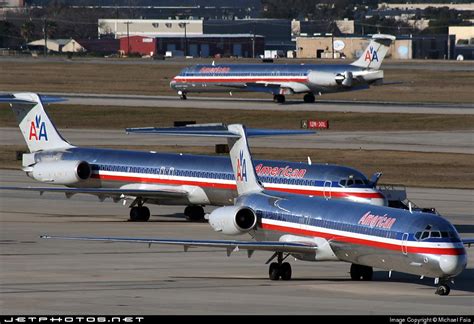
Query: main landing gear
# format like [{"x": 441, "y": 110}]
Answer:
[
  {"x": 182, "y": 95},
  {"x": 139, "y": 214},
  {"x": 194, "y": 213},
  {"x": 279, "y": 269},
  {"x": 279, "y": 98},
  {"x": 309, "y": 98},
  {"x": 361, "y": 272}
]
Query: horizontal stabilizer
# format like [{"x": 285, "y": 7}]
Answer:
[
  {"x": 468, "y": 241},
  {"x": 11, "y": 98},
  {"x": 276, "y": 246},
  {"x": 215, "y": 130}
]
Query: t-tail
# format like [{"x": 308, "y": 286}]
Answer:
[
  {"x": 38, "y": 130},
  {"x": 236, "y": 134},
  {"x": 374, "y": 54}
]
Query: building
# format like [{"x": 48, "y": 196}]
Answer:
[
  {"x": 240, "y": 45},
  {"x": 56, "y": 45},
  {"x": 119, "y": 28},
  {"x": 464, "y": 34},
  {"x": 345, "y": 46},
  {"x": 464, "y": 42},
  {"x": 102, "y": 46}
]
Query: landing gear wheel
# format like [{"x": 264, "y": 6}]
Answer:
[
  {"x": 194, "y": 213},
  {"x": 443, "y": 290},
  {"x": 274, "y": 271},
  {"x": 139, "y": 214},
  {"x": 285, "y": 271},
  {"x": 279, "y": 98},
  {"x": 361, "y": 272},
  {"x": 183, "y": 97},
  {"x": 309, "y": 98}
]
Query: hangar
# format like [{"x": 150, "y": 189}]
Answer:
[{"x": 207, "y": 45}]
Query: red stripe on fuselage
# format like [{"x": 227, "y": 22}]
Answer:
[
  {"x": 353, "y": 240},
  {"x": 239, "y": 79},
  {"x": 231, "y": 186},
  {"x": 335, "y": 194}
]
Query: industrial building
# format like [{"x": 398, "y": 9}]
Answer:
[
  {"x": 346, "y": 47},
  {"x": 211, "y": 45}
]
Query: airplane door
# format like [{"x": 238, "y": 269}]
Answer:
[
  {"x": 327, "y": 189},
  {"x": 204, "y": 50},
  {"x": 404, "y": 243}
]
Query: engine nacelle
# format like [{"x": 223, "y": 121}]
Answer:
[
  {"x": 61, "y": 172},
  {"x": 325, "y": 79},
  {"x": 232, "y": 220},
  {"x": 345, "y": 79},
  {"x": 322, "y": 79}
]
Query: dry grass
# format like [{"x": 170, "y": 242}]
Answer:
[
  {"x": 419, "y": 85},
  {"x": 110, "y": 117},
  {"x": 437, "y": 170}
]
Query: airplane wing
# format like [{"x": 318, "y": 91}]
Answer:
[
  {"x": 468, "y": 241},
  {"x": 117, "y": 193},
  {"x": 229, "y": 245}
]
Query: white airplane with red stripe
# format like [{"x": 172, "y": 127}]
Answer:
[
  {"x": 163, "y": 178},
  {"x": 287, "y": 79},
  {"x": 316, "y": 229}
]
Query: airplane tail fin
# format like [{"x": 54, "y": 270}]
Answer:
[
  {"x": 374, "y": 53},
  {"x": 35, "y": 125},
  {"x": 236, "y": 134}
]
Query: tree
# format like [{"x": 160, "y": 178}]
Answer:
[{"x": 27, "y": 30}]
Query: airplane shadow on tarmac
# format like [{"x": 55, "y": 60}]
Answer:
[{"x": 464, "y": 282}]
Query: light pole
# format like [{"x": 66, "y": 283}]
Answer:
[
  {"x": 183, "y": 25},
  {"x": 128, "y": 37}
]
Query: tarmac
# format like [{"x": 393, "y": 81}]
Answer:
[
  {"x": 72, "y": 277},
  {"x": 224, "y": 101},
  {"x": 460, "y": 141}
]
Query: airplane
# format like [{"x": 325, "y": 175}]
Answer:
[
  {"x": 164, "y": 178},
  {"x": 315, "y": 229},
  {"x": 287, "y": 79}
]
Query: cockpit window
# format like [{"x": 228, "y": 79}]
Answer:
[
  {"x": 352, "y": 182},
  {"x": 433, "y": 234}
]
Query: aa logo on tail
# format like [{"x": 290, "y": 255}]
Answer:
[
  {"x": 38, "y": 130},
  {"x": 371, "y": 55},
  {"x": 241, "y": 168}
]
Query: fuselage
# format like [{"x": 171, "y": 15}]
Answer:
[
  {"x": 210, "y": 179},
  {"x": 302, "y": 78},
  {"x": 376, "y": 236}
]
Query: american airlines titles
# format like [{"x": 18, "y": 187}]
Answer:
[
  {"x": 378, "y": 221},
  {"x": 277, "y": 171},
  {"x": 214, "y": 70}
]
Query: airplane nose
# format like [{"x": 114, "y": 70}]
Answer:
[{"x": 453, "y": 265}]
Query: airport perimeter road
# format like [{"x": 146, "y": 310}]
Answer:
[
  {"x": 72, "y": 277},
  {"x": 417, "y": 141},
  {"x": 293, "y": 104}
]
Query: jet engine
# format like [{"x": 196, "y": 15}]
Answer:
[
  {"x": 61, "y": 172},
  {"x": 232, "y": 220},
  {"x": 344, "y": 79},
  {"x": 324, "y": 79}
]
